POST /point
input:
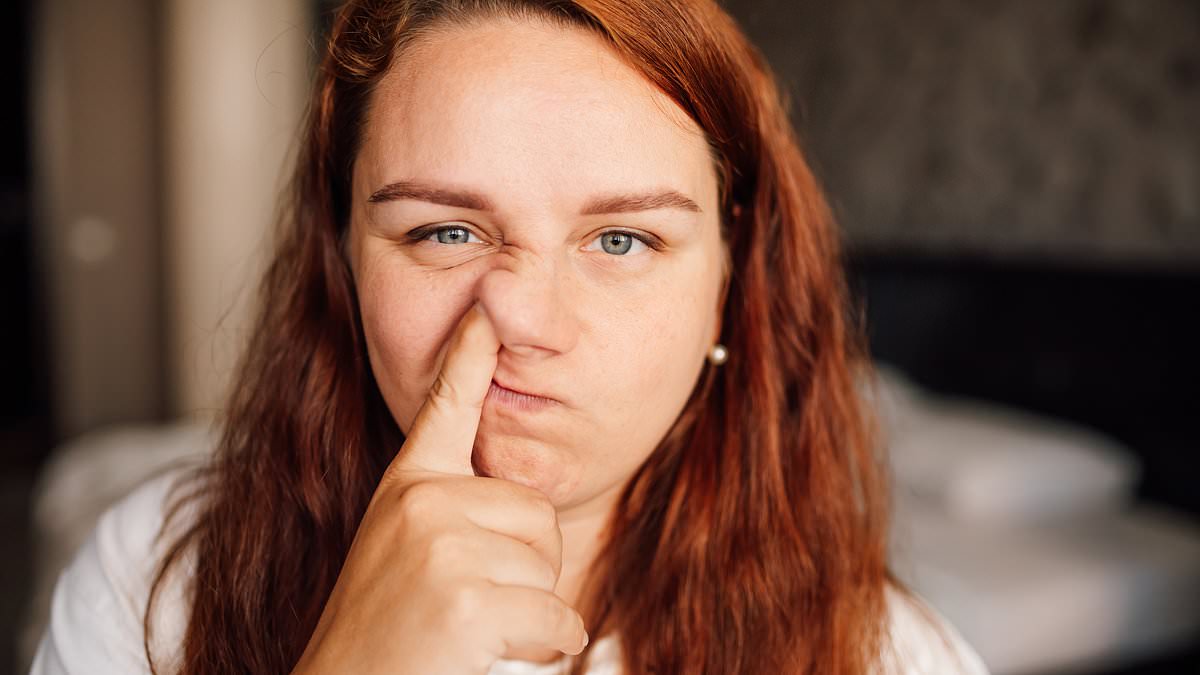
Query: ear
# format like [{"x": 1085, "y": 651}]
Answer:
[
  {"x": 735, "y": 212},
  {"x": 723, "y": 294}
]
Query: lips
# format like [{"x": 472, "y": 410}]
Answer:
[
  {"x": 513, "y": 384},
  {"x": 501, "y": 395}
]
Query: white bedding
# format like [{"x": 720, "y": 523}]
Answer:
[
  {"x": 1057, "y": 597},
  {"x": 1023, "y": 531}
]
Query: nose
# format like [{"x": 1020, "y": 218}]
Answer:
[{"x": 528, "y": 305}]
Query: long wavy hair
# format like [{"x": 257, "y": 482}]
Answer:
[{"x": 752, "y": 540}]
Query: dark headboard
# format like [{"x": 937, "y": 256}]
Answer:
[{"x": 1118, "y": 350}]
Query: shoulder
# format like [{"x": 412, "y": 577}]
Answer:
[
  {"x": 920, "y": 641},
  {"x": 99, "y": 601}
]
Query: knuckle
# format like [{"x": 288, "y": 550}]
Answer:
[
  {"x": 545, "y": 515},
  {"x": 555, "y": 613},
  {"x": 548, "y": 576},
  {"x": 445, "y": 549},
  {"x": 443, "y": 394},
  {"x": 420, "y": 502},
  {"x": 464, "y": 605},
  {"x": 573, "y": 625}
]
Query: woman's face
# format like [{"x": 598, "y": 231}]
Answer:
[{"x": 525, "y": 166}]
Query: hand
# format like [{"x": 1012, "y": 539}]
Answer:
[{"x": 448, "y": 570}]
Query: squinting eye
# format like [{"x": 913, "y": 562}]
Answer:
[
  {"x": 453, "y": 235},
  {"x": 616, "y": 242}
]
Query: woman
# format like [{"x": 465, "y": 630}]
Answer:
[{"x": 553, "y": 360}]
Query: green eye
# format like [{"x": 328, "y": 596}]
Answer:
[
  {"x": 452, "y": 235},
  {"x": 616, "y": 242}
]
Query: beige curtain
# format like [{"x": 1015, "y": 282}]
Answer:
[
  {"x": 160, "y": 131},
  {"x": 235, "y": 73}
]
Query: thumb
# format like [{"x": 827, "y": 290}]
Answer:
[{"x": 442, "y": 435}]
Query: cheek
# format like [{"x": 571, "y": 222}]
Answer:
[
  {"x": 642, "y": 371},
  {"x": 407, "y": 317},
  {"x": 648, "y": 358},
  {"x": 671, "y": 350}
]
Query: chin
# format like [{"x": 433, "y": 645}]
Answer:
[{"x": 529, "y": 463}]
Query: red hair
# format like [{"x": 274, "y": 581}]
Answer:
[{"x": 752, "y": 540}]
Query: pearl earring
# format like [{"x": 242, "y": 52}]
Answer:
[{"x": 718, "y": 354}]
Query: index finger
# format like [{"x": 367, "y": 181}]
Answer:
[{"x": 442, "y": 435}]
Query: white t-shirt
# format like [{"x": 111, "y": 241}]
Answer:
[{"x": 96, "y": 612}]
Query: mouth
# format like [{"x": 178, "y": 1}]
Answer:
[{"x": 518, "y": 400}]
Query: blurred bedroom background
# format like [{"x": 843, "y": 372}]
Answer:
[{"x": 1019, "y": 186}]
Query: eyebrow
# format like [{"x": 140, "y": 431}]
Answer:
[
  {"x": 424, "y": 192},
  {"x": 465, "y": 199},
  {"x": 626, "y": 203}
]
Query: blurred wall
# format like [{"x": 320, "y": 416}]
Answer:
[
  {"x": 235, "y": 79},
  {"x": 1063, "y": 130}
]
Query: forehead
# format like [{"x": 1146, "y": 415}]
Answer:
[{"x": 520, "y": 107}]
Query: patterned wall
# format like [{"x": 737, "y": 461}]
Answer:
[{"x": 1008, "y": 128}]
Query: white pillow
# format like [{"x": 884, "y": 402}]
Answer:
[
  {"x": 82, "y": 478},
  {"x": 985, "y": 462}
]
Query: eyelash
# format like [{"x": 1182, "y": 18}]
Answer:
[{"x": 424, "y": 233}]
